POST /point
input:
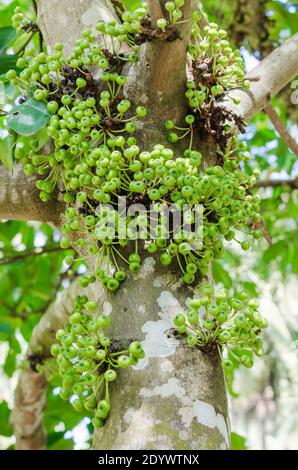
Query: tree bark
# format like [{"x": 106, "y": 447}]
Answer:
[
  {"x": 27, "y": 415},
  {"x": 270, "y": 76},
  {"x": 19, "y": 198},
  {"x": 175, "y": 398}
]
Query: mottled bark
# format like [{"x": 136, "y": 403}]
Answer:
[
  {"x": 175, "y": 398},
  {"x": 19, "y": 198},
  {"x": 63, "y": 20},
  {"x": 27, "y": 415},
  {"x": 157, "y": 81}
]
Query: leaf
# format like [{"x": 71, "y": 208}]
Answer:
[
  {"x": 28, "y": 236},
  {"x": 5, "y": 328},
  {"x": 10, "y": 92},
  {"x": 7, "y": 35},
  {"x": 6, "y": 156},
  {"x": 7, "y": 62},
  {"x": 10, "y": 363},
  {"x": 251, "y": 288},
  {"x": 28, "y": 118},
  {"x": 62, "y": 444},
  {"x": 221, "y": 275},
  {"x": 132, "y": 4},
  {"x": 53, "y": 437},
  {"x": 238, "y": 442},
  {"x": 41, "y": 138},
  {"x": 275, "y": 250},
  {"x": 20, "y": 42},
  {"x": 5, "y": 428}
]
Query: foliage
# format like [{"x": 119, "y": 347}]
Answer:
[{"x": 238, "y": 442}]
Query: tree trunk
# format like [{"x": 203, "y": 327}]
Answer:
[{"x": 175, "y": 398}]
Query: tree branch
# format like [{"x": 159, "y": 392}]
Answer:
[
  {"x": 27, "y": 415},
  {"x": 204, "y": 20},
  {"x": 283, "y": 132},
  {"x": 274, "y": 72},
  {"x": 27, "y": 254},
  {"x": 19, "y": 199},
  {"x": 30, "y": 396},
  {"x": 292, "y": 183}
]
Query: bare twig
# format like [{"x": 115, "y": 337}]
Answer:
[
  {"x": 13, "y": 309},
  {"x": 262, "y": 227},
  {"x": 283, "y": 132},
  {"x": 270, "y": 183},
  {"x": 28, "y": 254}
]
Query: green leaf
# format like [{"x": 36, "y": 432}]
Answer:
[
  {"x": 238, "y": 442},
  {"x": 132, "y": 4},
  {"x": 62, "y": 444},
  {"x": 6, "y": 156},
  {"x": 7, "y": 35},
  {"x": 10, "y": 92},
  {"x": 251, "y": 288},
  {"x": 41, "y": 138},
  {"x": 5, "y": 428},
  {"x": 221, "y": 275},
  {"x": 10, "y": 363},
  {"x": 54, "y": 437},
  {"x": 20, "y": 42},
  {"x": 28, "y": 118},
  {"x": 275, "y": 250},
  {"x": 7, "y": 62},
  {"x": 5, "y": 328}
]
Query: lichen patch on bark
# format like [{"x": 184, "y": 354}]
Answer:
[{"x": 156, "y": 342}]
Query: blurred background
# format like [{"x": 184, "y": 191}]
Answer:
[{"x": 263, "y": 400}]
